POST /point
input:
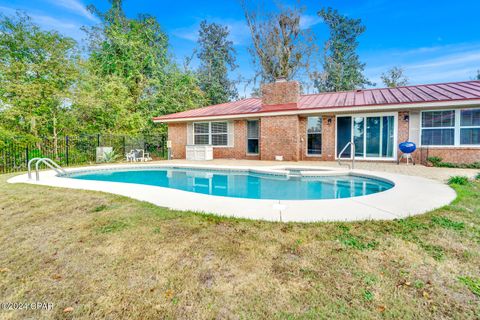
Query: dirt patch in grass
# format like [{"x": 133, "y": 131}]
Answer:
[{"x": 97, "y": 255}]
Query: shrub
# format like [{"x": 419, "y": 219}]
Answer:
[
  {"x": 477, "y": 177},
  {"x": 434, "y": 160},
  {"x": 459, "y": 180},
  {"x": 437, "y": 162},
  {"x": 110, "y": 157}
]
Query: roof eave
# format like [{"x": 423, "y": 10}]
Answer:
[{"x": 337, "y": 109}]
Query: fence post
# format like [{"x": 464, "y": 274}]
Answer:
[
  {"x": 98, "y": 140},
  {"x": 67, "y": 149},
  {"x": 26, "y": 155}
]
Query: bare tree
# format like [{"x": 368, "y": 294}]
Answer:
[{"x": 281, "y": 48}]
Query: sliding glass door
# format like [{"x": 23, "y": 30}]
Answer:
[
  {"x": 373, "y": 136},
  {"x": 344, "y": 135}
]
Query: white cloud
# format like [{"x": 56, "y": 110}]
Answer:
[
  {"x": 54, "y": 23},
  {"x": 75, "y": 6},
  {"x": 66, "y": 27},
  {"x": 239, "y": 32},
  {"x": 190, "y": 33},
  {"x": 449, "y": 60},
  {"x": 308, "y": 21},
  {"x": 455, "y": 62}
]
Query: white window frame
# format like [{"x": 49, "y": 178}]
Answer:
[
  {"x": 210, "y": 134},
  {"x": 466, "y": 127},
  {"x": 218, "y": 133},
  {"x": 365, "y": 115},
  {"x": 321, "y": 137},
  {"x": 258, "y": 138},
  {"x": 457, "y": 128},
  {"x": 201, "y": 134},
  {"x": 454, "y": 127}
]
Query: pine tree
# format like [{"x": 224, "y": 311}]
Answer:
[
  {"x": 342, "y": 69},
  {"x": 217, "y": 58}
]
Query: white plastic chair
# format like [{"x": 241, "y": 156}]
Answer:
[
  {"x": 130, "y": 156},
  {"x": 142, "y": 156}
]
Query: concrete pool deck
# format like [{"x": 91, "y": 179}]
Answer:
[
  {"x": 435, "y": 173},
  {"x": 411, "y": 195}
]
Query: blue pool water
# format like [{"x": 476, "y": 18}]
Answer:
[{"x": 243, "y": 184}]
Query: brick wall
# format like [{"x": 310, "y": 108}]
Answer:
[
  {"x": 328, "y": 139},
  {"x": 454, "y": 155},
  {"x": 281, "y": 93},
  {"x": 403, "y": 130},
  {"x": 239, "y": 149},
  {"x": 177, "y": 133},
  {"x": 287, "y": 136},
  {"x": 403, "y": 126},
  {"x": 280, "y": 135}
]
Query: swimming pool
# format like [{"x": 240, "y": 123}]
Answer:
[
  {"x": 287, "y": 193},
  {"x": 245, "y": 184}
]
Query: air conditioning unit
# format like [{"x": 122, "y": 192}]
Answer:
[{"x": 199, "y": 152}]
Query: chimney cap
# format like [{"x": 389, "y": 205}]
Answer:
[{"x": 281, "y": 79}]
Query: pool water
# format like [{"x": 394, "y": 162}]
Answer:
[{"x": 244, "y": 184}]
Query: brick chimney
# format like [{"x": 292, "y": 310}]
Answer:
[{"x": 280, "y": 95}]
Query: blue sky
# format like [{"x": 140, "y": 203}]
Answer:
[{"x": 434, "y": 41}]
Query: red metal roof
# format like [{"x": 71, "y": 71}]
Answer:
[{"x": 441, "y": 92}]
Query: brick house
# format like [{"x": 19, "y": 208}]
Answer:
[{"x": 442, "y": 119}]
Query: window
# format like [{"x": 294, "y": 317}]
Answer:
[
  {"x": 219, "y": 133},
  {"x": 252, "y": 136},
  {"x": 314, "y": 135},
  {"x": 201, "y": 133},
  {"x": 451, "y": 127},
  {"x": 210, "y": 133},
  {"x": 438, "y": 128},
  {"x": 470, "y": 127}
]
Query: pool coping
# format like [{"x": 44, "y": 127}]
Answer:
[{"x": 409, "y": 196}]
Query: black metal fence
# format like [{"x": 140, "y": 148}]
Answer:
[{"x": 77, "y": 150}]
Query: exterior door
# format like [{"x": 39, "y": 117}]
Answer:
[
  {"x": 373, "y": 136},
  {"x": 344, "y": 135}
]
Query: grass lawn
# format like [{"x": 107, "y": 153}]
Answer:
[{"x": 106, "y": 256}]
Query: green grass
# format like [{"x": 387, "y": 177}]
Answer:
[
  {"x": 355, "y": 242},
  {"x": 112, "y": 226},
  {"x": 108, "y": 256},
  {"x": 472, "y": 283},
  {"x": 447, "y": 223}
]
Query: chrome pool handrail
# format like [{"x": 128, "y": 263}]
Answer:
[
  {"x": 350, "y": 143},
  {"x": 30, "y": 166},
  {"x": 48, "y": 162}
]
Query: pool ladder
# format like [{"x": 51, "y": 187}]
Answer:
[
  {"x": 352, "y": 166},
  {"x": 48, "y": 162}
]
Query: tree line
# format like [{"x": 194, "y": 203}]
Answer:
[{"x": 127, "y": 74}]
